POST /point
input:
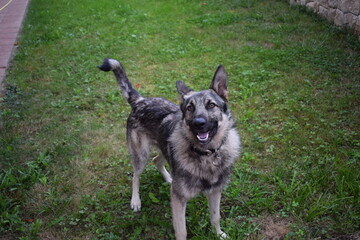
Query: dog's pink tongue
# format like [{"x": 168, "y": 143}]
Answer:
[{"x": 203, "y": 136}]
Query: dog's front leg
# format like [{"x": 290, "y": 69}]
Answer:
[
  {"x": 178, "y": 207},
  {"x": 214, "y": 206}
]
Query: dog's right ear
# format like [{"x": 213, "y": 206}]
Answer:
[
  {"x": 182, "y": 88},
  {"x": 220, "y": 83}
]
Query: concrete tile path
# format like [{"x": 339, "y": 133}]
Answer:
[{"x": 12, "y": 13}]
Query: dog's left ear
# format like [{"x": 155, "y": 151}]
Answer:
[
  {"x": 220, "y": 83},
  {"x": 182, "y": 88}
]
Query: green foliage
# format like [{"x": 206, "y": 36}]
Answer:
[
  {"x": 13, "y": 185},
  {"x": 216, "y": 19},
  {"x": 294, "y": 92}
]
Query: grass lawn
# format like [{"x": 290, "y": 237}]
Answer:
[{"x": 294, "y": 92}]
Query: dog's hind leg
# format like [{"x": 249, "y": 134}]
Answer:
[
  {"x": 139, "y": 149},
  {"x": 159, "y": 161},
  {"x": 214, "y": 205},
  {"x": 135, "y": 198}
]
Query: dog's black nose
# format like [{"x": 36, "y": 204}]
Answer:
[{"x": 199, "y": 122}]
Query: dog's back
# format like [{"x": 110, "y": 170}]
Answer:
[{"x": 154, "y": 117}]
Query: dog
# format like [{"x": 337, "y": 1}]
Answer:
[{"x": 197, "y": 138}]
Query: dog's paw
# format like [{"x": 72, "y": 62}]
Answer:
[
  {"x": 222, "y": 235},
  {"x": 136, "y": 204},
  {"x": 136, "y": 207}
]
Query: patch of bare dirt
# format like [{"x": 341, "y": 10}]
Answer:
[{"x": 274, "y": 228}]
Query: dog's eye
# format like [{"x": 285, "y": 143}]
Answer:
[
  {"x": 190, "y": 108},
  {"x": 211, "y": 105}
]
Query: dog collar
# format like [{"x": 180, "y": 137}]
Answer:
[
  {"x": 216, "y": 161},
  {"x": 207, "y": 152}
]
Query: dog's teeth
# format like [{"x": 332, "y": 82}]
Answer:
[{"x": 203, "y": 136}]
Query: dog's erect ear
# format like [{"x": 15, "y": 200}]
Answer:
[
  {"x": 220, "y": 83},
  {"x": 182, "y": 88}
]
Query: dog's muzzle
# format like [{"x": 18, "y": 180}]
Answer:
[{"x": 203, "y": 129}]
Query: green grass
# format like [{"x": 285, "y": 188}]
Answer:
[{"x": 294, "y": 92}]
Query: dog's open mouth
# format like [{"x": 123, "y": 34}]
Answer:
[
  {"x": 203, "y": 137},
  {"x": 204, "y": 133}
]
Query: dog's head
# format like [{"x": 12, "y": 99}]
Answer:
[{"x": 203, "y": 111}]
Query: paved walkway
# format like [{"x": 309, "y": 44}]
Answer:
[{"x": 12, "y": 13}]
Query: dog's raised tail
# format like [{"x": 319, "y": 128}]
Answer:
[{"x": 127, "y": 89}]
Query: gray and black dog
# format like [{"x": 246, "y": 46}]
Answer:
[{"x": 198, "y": 139}]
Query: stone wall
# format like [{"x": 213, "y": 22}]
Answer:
[{"x": 343, "y": 13}]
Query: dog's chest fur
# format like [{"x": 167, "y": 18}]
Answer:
[{"x": 198, "y": 171}]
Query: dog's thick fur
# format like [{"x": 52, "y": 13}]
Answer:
[{"x": 197, "y": 138}]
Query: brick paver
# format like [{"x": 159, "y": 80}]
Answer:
[{"x": 11, "y": 18}]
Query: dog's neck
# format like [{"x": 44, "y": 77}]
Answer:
[
  {"x": 206, "y": 151},
  {"x": 212, "y": 153}
]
